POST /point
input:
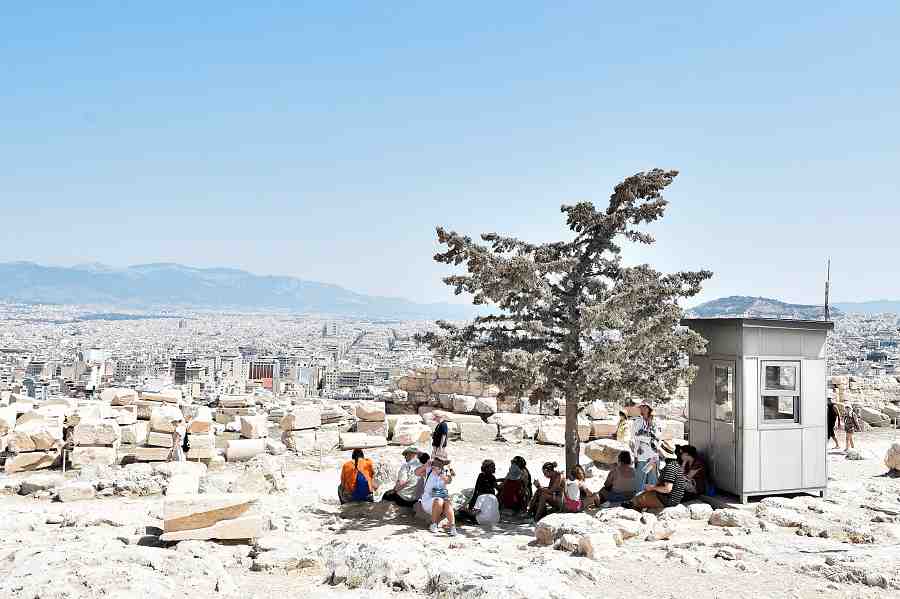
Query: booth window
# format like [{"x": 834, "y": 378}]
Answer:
[
  {"x": 724, "y": 407},
  {"x": 780, "y": 392}
]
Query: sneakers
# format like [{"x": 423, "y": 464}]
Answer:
[
  {"x": 433, "y": 528},
  {"x": 453, "y": 532}
]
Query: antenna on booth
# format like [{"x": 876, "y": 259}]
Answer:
[{"x": 827, "y": 287}]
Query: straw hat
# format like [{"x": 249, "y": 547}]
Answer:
[{"x": 667, "y": 449}]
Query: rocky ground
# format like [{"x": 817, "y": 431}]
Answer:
[{"x": 846, "y": 545}]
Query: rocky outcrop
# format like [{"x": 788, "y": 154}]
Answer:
[{"x": 604, "y": 451}]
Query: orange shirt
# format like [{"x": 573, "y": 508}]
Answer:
[{"x": 348, "y": 474}]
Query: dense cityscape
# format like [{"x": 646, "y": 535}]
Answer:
[{"x": 74, "y": 351}]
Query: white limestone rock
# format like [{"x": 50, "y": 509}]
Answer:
[
  {"x": 165, "y": 418},
  {"x": 604, "y": 429},
  {"x": 596, "y": 410},
  {"x": 202, "y": 421},
  {"x": 80, "y": 457},
  {"x": 202, "y": 511},
  {"x": 733, "y": 518},
  {"x": 301, "y": 418},
  {"x": 41, "y": 482},
  {"x": 528, "y": 422},
  {"x": 512, "y": 434},
  {"x": 486, "y": 405},
  {"x": 892, "y": 457},
  {"x": 254, "y": 427},
  {"x": 411, "y": 434},
  {"x": 378, "y": 428},
  {"x": 361, "y": 441},
  {"x": 135, "y": 434},
  {"x": 76, "y": 491},
  {"x": 239, "y": 450},
  {"x": 372, "y": 411},
  {"x": 7, "y": 420},
  {"x": 97, "y": 432},
  {"x": 594, "y": 544},
  {"x": 551, "y": 433},
  {"x": 604, "y": 451},
  {"x": 552, "y": 527},
  {"x": 464, "y": 404},
  {"x": 700, "y": 511}
]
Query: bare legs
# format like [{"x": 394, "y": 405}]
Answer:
[
  {"x": 849, "y": 443},
  {"x": 539, "y": 503},
  {"x": 442, "y": 509}
]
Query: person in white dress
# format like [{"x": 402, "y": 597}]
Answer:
[{"x": 435, "y": 497}]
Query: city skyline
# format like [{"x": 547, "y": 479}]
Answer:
[{"x": 327, "y": 143}]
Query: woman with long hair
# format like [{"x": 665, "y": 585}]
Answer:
[
  {"x": 550, "y": 496},
  {"x": 357, "y": 479}
]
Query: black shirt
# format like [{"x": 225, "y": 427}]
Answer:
[
  {"x": 439, "y": 437},
  {"x": 672, "y": 473},
  {"x": 486, "y": 484}
]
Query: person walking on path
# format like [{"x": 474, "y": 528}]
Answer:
[
  {"x": 852, "y": 424},
  {"x": 834, "y": 419},
  {"x": 645, "y": 437}
]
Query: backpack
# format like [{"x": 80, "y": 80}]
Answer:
[{"x": 361, "y": 492}]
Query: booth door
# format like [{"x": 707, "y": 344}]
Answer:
[{"x": 722, "y": 447}]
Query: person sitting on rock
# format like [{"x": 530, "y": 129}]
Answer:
[
  {"x": 588, "y": 498},
  {"x": 485, "y": 484},
  {"x": 357, "y": 479},
  {"x": 512, "y": 494},
  {"x": 572, "y": 494},
  {"x": 404, "y": 491},
  {"x": 619, "y": 484},
  {"x": 549, "y": 497},
  {"x": 669, "y": 490},
  {"x": 694, "y": 471},
  {"x": 436, "y": 498}
]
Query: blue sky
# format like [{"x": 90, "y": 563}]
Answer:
[{"x": 326, "y": 140}]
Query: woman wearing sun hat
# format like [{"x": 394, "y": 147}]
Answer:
[
  {"x": 645, "y": 435},
  {"x": 672, "y": 483},
  {"x": 435, "y": 498}
]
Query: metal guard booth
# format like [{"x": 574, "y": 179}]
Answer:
[{"x": 757, "y": 407}]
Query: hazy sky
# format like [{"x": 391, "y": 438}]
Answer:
[{"x": 326, "y": 140}]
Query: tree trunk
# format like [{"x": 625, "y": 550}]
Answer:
[{"x": 573, "y": 445}]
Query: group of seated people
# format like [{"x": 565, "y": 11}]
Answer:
[{"x": 423, "y": 480}]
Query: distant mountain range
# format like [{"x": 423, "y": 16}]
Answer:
[
  {"x": 153, "y": 285},
  {"x": 757, "y": 307}
]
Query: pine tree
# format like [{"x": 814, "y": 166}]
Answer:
[{"x": 572, "y": 321}]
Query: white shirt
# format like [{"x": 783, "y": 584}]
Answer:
[
  {"x": 573, "y": 492},
  {"x": 487, "y": 509},
  {"x": 407, "y": 479},
  {"x": 640, "y": 438},
  {"x": 432, "y": 481}
]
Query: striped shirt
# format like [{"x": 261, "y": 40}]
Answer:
[{"x": 672, "y": 473}]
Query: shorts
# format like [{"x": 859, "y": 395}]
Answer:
[{"x": 572, "y": 505}]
